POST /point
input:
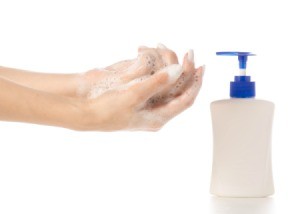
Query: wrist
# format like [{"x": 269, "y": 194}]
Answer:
[{"x": 78, "y": 114}]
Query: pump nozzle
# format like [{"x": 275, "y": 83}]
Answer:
[
  {"x": 242, "y": 56},
  {"x": 242, "y": 87}
]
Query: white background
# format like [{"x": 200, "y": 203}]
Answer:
[{"x": 54, "y": 170}]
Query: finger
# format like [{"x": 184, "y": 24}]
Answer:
[
  {"x": 161, "y": 46},
  {"x": 147, "y": 63},
  {"x": 155, "y": 118},
  {"x": 185, "y": 79},
  {"x": 147, "y": 88},
  {"x": 145, "y": 48},
  {"x": 174, "y": 90},
  {"x": 188, "y": 67},
  {"x": 135, "y": 71},
  {"x": 168, "y": 56},
  {"x": 189, "y": 60},
  {"x": 164, "y": 55},
  {"x": 183, "y": 101},
  {"x": 142, "y": 48},
  {"x": 121, "y": 66}
]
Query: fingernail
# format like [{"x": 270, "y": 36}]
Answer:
[
  {"x": 203, "y": 70},
  {"x": 191, "y": 55},
  {"x": 174, "y": 71},
  {"x": 161, "y": 46}
]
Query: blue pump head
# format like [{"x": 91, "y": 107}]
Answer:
[{"x": 242, "y": 87}]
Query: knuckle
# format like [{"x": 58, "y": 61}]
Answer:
[
  {"x": 172, "y": 55},
  {"x": 147, "y": 57}
]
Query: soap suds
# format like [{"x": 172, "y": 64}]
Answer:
[
  {"x": 102, "y": 86},
  {"x": 146, "y": 64}
]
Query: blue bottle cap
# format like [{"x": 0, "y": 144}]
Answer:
[{"x": 242, "y": 87}]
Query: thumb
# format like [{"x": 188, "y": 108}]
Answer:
[{"x": 157, "y": 82}]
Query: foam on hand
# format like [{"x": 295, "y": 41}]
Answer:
[
  {"x": 174, "y": 71},
  {"x": 120, "y": 77}
]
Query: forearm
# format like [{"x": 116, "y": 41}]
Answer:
[
  {"x": 62, "y": 84},
  {"x": 23, "y": 104}
]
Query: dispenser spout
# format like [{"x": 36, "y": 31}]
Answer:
[
  {"x": 241, "y": 87},
  {"x": 242, "y": 56}
]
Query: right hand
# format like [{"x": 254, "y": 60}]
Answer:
[{"x": 125, "y": 108}]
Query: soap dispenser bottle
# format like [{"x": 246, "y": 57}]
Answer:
[{"x": 242, "y": 129}]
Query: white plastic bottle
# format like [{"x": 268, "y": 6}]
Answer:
[{"x": 242, "y": 129}]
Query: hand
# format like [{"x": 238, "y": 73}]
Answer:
[
  {"x": 125, "y": 108},
  {"x": 95, "y": 82},
  {"x": 142, "y": 94},
  {"x": 188, "y": 75}
]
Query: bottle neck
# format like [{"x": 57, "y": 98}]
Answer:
[{"x": 242, "y": 87}]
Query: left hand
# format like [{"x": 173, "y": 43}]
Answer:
[{"x": 97, "y": 81}]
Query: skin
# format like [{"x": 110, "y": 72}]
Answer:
[
  {"x": 61, "y": 84},
  {"x": 64, "y": 99}
]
